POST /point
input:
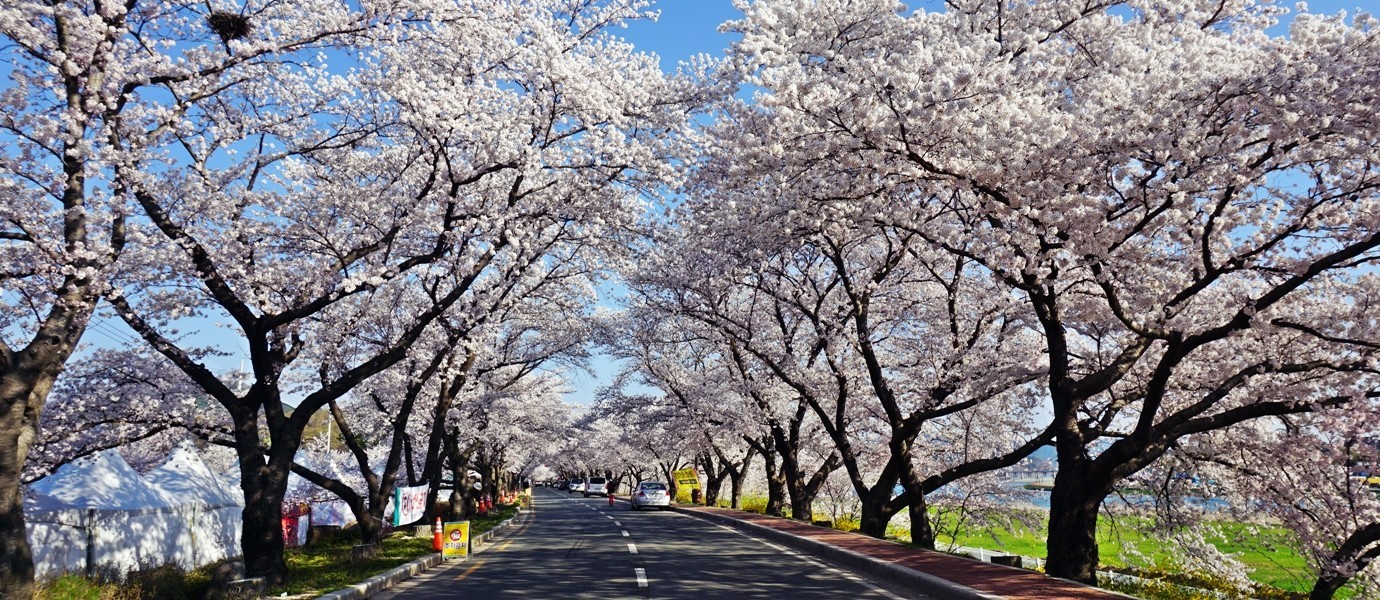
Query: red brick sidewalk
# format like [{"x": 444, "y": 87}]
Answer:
[{"x": 985, "y": 578}]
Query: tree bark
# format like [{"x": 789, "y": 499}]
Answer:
[
  {"x": 876, "y": 512},
  {"x": 776, "y": 486},
  {"x": 803, "y": 489},
  {"x": 1073, "y": 509},
  {"x": 263, "y": 479},
  {"x": 921, "y": 530},
  {"x": 17, "y": 431},
  {"x": 735, "y": 481},
  {"x": 261, "y": 539},
  {"x": 714, "y": 478}
]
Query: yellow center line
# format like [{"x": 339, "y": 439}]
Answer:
[{"x": 468, "y": 571}]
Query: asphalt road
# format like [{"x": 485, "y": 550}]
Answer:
[{"x": 576, "y": 547}]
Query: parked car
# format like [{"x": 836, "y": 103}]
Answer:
[
  {"x": 561, "y": 484},
  {"x": 597, "y": 486},
  {"x": 576, "y": 485},
  {"x": 650, "y": 493}
]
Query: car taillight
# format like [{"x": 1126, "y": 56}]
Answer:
[{"x": 643, "y": 494}]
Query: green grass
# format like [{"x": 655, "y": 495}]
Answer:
[
  {"x": 69, "y": 587},
  {"x": 325, "y": 565},
  {"x": 1267, "y": 551},
  {"x": 758, "y": 504},
  {"x": 168, "y": 582}
]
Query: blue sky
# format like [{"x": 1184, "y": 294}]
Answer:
[{"x": 686, "y": 28}]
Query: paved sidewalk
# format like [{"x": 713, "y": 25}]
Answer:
[{"x": 934, "y": 572}]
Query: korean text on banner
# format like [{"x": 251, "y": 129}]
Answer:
[
  {"x": 409, "y": 504},
  {"x": 687, "y": 478},
  {"x": 455, "y": 540}
]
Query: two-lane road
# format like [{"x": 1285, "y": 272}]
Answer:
[{"x": 576, "y": 547}]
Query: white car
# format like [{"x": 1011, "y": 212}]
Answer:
[
  {"x": 576, "y": 485},
  {"x": 650, "y": 493},
  {"x": 597, "y": 486}
]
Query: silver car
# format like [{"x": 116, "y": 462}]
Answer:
[{"x": 650, "y": 493}]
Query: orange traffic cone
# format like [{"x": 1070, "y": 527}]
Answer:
[{"x": 436, "y": 535}]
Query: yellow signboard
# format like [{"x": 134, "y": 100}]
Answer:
[
  {"x": 455, "y": 540},
  {"x": 687, "y": 478}
]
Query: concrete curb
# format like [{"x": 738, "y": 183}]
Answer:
[
  {"x": 392, "y": 577},
  {"x": 905, "y": 576}
]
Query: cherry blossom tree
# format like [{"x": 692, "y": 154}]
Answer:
[
  {"x": 101, "y": 95},
  {"x": 1142, "y": 174}
]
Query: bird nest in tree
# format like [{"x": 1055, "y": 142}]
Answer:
[{"x": 229, "y": 26}]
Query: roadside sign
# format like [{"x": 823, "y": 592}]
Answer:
[
  {"x": 455, "y": 540},
  {"x": 687, "y": 478}
]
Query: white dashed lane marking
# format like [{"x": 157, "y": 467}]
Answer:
[
  {"x": 632, "y": 548},
  {"x": 641, "y": 577},
  {"x": 625, "y": 533}
]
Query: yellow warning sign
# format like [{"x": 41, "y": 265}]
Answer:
[
  {"x": 455, "y": 540},
  {"x": 687, "y": 478}
]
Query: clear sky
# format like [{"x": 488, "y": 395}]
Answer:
[{"x": 685, "y": 28}]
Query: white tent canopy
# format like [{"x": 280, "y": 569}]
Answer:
[
  {"x": 103, "y": 482},
  {"x": 98, "y": 514}
]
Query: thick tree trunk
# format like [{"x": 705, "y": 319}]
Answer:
[
  {"x": 776, "y": 486},
  {"x": 666, "y": 469},
  {"x": 876, "y": 511},
  {"x": 1354, "y": 554},
  {"x": 263, "y": 479},
  {"x": 261, "y": 538},
  {"x": 459, "y": 506},
  {"x": 802, "y": 499},
  {"x": 370, "y": 527},
  {"x": 802, "y": 503},
  {"x": 1325, "y": 588},
  {"x": 433, "y": 497},
  {"x": 16, "y": 558},
  {"x": 735, "y": 481},
  {"x": 714, "y": 479},
  {"x": 1073, "y": 509},
  {"x": 921, "y": 530},
  {"x": 26, "y": 378}
]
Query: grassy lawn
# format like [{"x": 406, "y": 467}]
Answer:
[{"x": 1268, "y": 552}]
